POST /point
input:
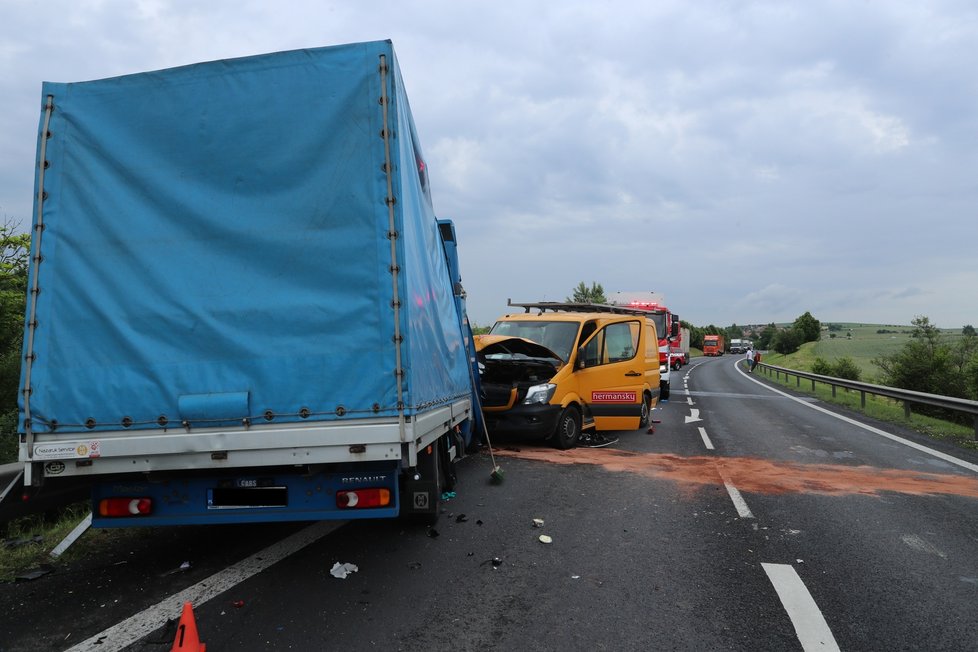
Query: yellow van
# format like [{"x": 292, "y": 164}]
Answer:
[{"x": 566, "y": 368}]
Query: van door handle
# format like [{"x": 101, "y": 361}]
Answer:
[{"x": 633, "y": 373}]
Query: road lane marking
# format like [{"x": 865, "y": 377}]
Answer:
[
  {"x": 743, "y": 511},
  {"x": 810, "y": 626},
  {"x": 694, "y": 415},
  {"x": 706, "y": 440},
  {"x": 881, "y": 433},
  {"x": 152, "y": 618}
]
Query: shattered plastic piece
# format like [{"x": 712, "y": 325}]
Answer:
[
  {"x": 340, "y": 571},
  {"x": 448, "y": 495},
  {"x": 461, "y": 518},
  {"x": 545, "y": 539},
  {"x": 414, "y": 565},
  {"x": 575, "y": 577},
  {"x": 237, "y": 604},
  {"x": 40, "y": 571},
  {"x": 185, "y": 566},
  {"x": 538, "y": 522},
  {"x": 433, "y": 533},
  {"x": 479, "y": 522},
  {"x": 496, "y": 562}
]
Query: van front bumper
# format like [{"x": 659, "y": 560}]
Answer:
[{"x": 530, "y": 421}]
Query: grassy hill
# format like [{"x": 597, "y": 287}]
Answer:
[{"x": 861, "y": 342}]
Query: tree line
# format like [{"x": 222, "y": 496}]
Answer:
[{"x": 14, "y": 252}]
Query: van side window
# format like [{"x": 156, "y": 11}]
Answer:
[{"x": 613, "y": 343}]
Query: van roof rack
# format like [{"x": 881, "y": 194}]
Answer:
[{"x": 558, "y": 306}]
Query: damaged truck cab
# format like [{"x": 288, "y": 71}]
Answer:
[{"x": 566, "y": 368}]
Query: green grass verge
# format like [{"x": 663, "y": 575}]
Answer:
[
  {"x": 27, "y": 542},
  {"x": 877, "y": 407}
]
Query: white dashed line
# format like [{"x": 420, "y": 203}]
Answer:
[
  {"x": 706, "y": 439},
  {"x": 743, "y": 511},
  {"x": 810, "y": 626}
]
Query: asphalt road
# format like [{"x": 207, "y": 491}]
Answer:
[{"x": 750, "y": 520}]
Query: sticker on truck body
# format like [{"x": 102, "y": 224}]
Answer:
[
  {"x": 73, "y": 450},
  {"x": 614, "y": 397}
]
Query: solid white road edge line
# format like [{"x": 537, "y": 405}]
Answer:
[
  {"x": 147, "y": 621},
  {"x": 706, "y": 440},
  {"x": 810, "y": 626},
  {"x": 881, "y": 433}
]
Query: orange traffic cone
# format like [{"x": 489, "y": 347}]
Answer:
[{"x": 187, "y": 639}]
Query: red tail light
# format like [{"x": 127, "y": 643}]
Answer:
[
  {"x": 128, "y": 506},
  {"x": 362, "y": 498}
]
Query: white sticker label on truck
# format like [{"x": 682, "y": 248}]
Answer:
[{"x": 68, "y": 450}]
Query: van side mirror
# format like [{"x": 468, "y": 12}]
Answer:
[{"x": 579, "y": 361}]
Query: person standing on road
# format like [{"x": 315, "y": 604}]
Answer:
[
  {"x": 750, "y": 358},
  {"x": 755, "y": 360}
]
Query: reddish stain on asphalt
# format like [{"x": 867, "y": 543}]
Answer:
[{"x": 755, "y": 475}]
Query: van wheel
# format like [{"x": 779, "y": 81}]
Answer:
[
  {"x": 646, "y": 411},
  {"x": 568, "y": 429}
]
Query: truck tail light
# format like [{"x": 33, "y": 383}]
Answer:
[
  {"x": 125, "y": 506},
  {"x": 363, "y": 498}
]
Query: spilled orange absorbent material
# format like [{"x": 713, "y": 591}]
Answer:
[{"x": 761, "y": 476}]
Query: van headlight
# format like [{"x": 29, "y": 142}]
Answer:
[{"x": 540, "y": 394}]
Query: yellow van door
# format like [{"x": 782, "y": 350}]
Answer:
[{"x": 613, "y": 375}]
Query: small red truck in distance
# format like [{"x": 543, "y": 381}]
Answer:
[{"x": 713, "y": 345}]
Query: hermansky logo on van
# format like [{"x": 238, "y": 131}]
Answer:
[{"x": 613, "y": 397}]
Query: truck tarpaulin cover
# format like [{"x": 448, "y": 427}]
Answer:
[{"x": 216, "y": 241}]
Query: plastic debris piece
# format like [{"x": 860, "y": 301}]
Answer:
[
  {"x": 496, "y": 562},
  {"x": 341, "y": 571},
  {"x": 237, "y": 604},
  {"x": 185, "y": 566},
  {"x": 433, "y": 533},
  {"x": 414, "y": 565},
  {"x": 545, "y": 539},
  {"x": 461, "y": 518},
  {"x": 575, "y": 577},
  {"x": 538, "y": 522},
  {"x": 479, "y": 522},
  {"x": 40, "y": 571},
  {"x": 448, "y": 495}
]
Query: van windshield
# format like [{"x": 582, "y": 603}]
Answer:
[{"x": 558, "y": 336}]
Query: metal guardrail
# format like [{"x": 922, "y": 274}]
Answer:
[{"x": 908, "y": 397}]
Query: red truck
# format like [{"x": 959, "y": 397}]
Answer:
[
  {"x": 713, "y": 345},
  {"x": 668, "y": 329}
]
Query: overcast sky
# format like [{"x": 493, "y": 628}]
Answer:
[{"x": 747, "y": 160}]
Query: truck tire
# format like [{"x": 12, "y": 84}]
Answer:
[
  {"x": 568, "y": 429},
  {"x": 664, "y": 392},
  {"x": 646, "y": 411}
]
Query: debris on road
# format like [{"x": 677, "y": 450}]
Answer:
[
  {"x": 545, "y": 539},
  {"x": 538, "y": 522},
  {"x": 341, "y": 571}
]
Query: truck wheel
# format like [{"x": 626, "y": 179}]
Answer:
[
  {"x": 646, "y": 411},
  {"x": 664, "y": 391},
  {"x": 568, "y": 429}
]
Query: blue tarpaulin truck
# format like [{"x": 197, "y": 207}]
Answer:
[{"x": 241, "y": 304}]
